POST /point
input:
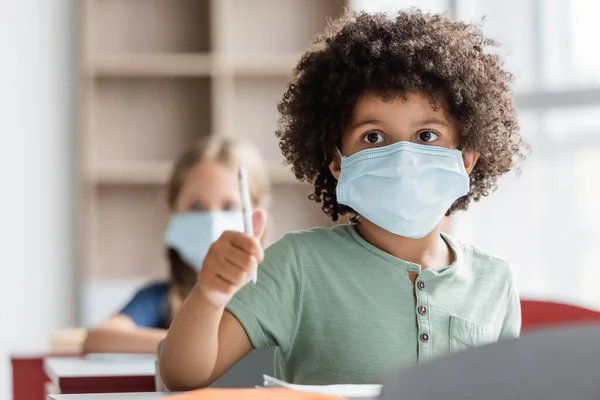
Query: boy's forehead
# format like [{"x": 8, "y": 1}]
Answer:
[{"x": 372, "y": 105}]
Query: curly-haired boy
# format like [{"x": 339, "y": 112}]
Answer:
[{"x": 396, "y": 122}]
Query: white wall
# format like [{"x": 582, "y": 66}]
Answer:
[{"x": 36, "y": 279}]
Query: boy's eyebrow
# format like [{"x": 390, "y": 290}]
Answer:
[
  {"x": 369, "y": 121},
  {"x": 426, "y": 121},
  {"x": 431, "y": 120}
]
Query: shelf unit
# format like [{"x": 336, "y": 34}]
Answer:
[{"x": 154, "y": 76}]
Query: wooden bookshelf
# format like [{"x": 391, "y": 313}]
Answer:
[
  {"x": 156, "y": 75},
  {"x": 158, "y": 172},
  {"x": 152, "y": 65}
]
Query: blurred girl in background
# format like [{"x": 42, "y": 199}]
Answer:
[{"x": 204, "y": 201}]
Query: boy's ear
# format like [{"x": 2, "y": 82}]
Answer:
[
  {"x": 470, "y": 158},
  {"x": 335, "y": 166}
]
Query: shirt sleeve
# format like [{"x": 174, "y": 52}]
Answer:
[
  {"x": 511, "y": 327},
  {"x": 268, "y": 310},
  {"x": 146, "y": 308}
]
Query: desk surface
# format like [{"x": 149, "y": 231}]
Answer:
[
  {"x": 111, "y": 396},
  {"x": 100, "y": 366}
]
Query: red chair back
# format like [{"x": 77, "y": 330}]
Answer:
[
  {"x": 539, "y": 314},
  {"x": 28, "y": 376}
]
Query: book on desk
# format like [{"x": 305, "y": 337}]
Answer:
[{"x": 104, "y": 373}]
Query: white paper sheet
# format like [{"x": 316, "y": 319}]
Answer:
[
  {"x": 118, "y": 357},
  {"x": 347, "y": 391}
]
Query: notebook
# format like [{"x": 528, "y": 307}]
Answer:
[{"x": 354, "y": 392}]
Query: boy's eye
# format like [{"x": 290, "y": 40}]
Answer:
[
  {"x": 428, "y": 136},
  {"x": 373, "y": 137}
]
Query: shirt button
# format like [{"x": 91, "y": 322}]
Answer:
[
  {"x": 424, "y": 337},
  {"x": 422, "y": 310},
  {"x": 421, "y": 285}
]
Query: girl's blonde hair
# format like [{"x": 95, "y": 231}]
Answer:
[{"x": 229, "y": 153}]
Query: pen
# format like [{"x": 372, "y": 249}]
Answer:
[{"x": 246, "y": 207}]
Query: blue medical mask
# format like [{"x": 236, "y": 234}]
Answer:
[
  {"x": 405, "y": 188},
  {"x": 191, "y": 234}
]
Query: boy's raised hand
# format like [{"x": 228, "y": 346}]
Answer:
[{"x": 230, "y": 261}]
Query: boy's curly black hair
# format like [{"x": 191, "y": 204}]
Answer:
[{"x": 413, "y": 52}]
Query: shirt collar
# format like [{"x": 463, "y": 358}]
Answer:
[{"x": 409, "y": 266}]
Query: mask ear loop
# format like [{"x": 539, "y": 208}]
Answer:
[
  {"x": 355, "y": 218},
  {"x": 340, "y": 157}
]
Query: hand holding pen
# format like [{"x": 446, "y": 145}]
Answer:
[{"x": 232, "y": 261}]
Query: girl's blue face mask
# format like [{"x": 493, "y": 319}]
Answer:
[
  {"x": 405, "y": 188},
  {"x": 191, "y": 234}
]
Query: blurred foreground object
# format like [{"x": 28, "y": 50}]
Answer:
[{"x": 560, "y": 363}]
